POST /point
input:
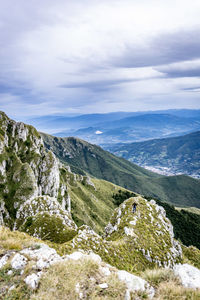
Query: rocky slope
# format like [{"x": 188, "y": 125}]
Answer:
[
  {"x": 37, "y": 263},
  {"x": 30, "y": 180},
  {"x": 31, "y": 269},
  {"x": 133, "y": 241},
  {"x": 39, "y": 195}
]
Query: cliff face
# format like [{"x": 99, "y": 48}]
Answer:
[
  {"x": 30, "y": 179},
  {"x": 39, "y": 195}
]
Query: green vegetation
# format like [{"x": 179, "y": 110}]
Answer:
[
  {"x": 121, "y": 196},
  {"x": 179, "y": 190},
  {"x": 136, "y": 242},
  {"x": 193, "y": 210},
  {"x": 48, "y": 227},
  {"x": 21, "y": 291},
  {"x": 186, "y": 224},
  {"x": 191, "y": 256}
]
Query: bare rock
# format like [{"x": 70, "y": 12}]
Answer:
[
  {"x": 189, "y": 275},
  {"x": 33, "y": 280},
  {"x": 18, "y": 261}
]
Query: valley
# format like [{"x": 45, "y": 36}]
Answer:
[{"x": 169, "y": 156}]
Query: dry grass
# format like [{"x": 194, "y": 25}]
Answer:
[
  {"x": 171, "y": 291},
  {"x": 157, "y": 276},
  {"x": 15, "y": 240},
  {"x": 68, "y": 280},
  {"x": 168, "y": 286}
]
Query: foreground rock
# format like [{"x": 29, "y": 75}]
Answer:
[
  {"x": 189, "y": 275},
  {"x": 40, "y": 257},
  {"x": 135, "y": 283}
]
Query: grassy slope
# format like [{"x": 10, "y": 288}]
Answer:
[
  {"x": 80, "y": 155},
  {"x": 92, "y": 206},
  {"x": 193, "y": 210},
  {"x": 186, "y": 224}
]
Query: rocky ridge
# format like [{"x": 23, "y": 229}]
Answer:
[
  {"x": 133, "y": 241},
  {"x": 34, "y": 184}
]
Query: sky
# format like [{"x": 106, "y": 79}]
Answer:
[{"x": 96, "y": 56}]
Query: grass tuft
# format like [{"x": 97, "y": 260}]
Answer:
[
  {"x": 72, "y": 279},
  {"x": 157, "y": 276}
]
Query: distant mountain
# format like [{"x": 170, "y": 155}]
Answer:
[
  {"x": 70, "y": 123},
  {"x": 136, "y": 128},
  {"x": 120, "y": 127},
  {"x": 167, "y": 156},
  {"x": 82, "y": 156}
]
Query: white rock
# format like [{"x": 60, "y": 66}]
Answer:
[
  {"x": 95, "y": 257},
  {"x": 41, "y": 264},
  {"x": 133, "y": 222},
  {"x": 12, "y": 287},
  {"x": 103, "y": 285},
  {"x": 189, "y": 275},
  {"x": 75, "y": 255},
  {"x": 10, "y": 272},
  {"x": 33, "y": 280},
  {"x": 109, "y": 228},
  {"x": 134, "y": 283},
  {"x": 18, "y": 262},
  {"x": 129, "y": 231},
  {"x": 3, "y": 260},
  {"x": 43, "y": 253},
  {"x": 105, "y": 271}
]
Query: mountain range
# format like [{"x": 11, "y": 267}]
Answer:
[
  {"x": 121, "y": 126},
  {"x": 169, "y": 156}
]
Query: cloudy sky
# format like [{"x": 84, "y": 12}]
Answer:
[{"x": 85, "y": 56}]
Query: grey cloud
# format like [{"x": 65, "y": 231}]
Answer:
[
  {"x": 164, "y": 49},
  {"x": 100, "y": 85},
  {"x": 195, "y": 89},
  {"x": 177, "y": 72}
]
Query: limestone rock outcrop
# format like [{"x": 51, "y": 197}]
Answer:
[
  {"x": 148, "y": 231},
  {"x": 30, "y": 181},
  {"x": 133, "y": 241}
]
